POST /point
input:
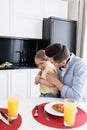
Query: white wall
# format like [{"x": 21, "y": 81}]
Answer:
[{"x": 73, "y": 9}]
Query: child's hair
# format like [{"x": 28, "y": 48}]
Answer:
[{"x": 41, "y": 55}]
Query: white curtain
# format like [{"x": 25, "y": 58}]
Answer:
[{"x": 81, "y": 49}]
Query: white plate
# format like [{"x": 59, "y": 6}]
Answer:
[{"x": 50, "y": 110}]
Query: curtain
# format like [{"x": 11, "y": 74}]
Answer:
[{"x": 81, "y": 48}]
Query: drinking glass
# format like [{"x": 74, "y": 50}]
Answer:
[
  {"x": 13, "y": 104},
  {"x": 69, "y": 112}
]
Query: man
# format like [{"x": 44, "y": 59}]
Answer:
[{"x": 72, "y": 72}]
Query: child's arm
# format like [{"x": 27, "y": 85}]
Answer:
[{"x": 37, "y": 78}]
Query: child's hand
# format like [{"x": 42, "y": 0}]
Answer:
[
  {"x": 40, "y": 72},
  {"x": 37, "y": 79}
]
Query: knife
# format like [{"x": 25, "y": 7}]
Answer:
[
  {"x": 46, "y": 114},
  {"x": 4, "y": 118}
]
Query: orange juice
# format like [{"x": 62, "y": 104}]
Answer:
[
  {"x": 69, "y": 113},
  {"x": 13, "y": 107}
]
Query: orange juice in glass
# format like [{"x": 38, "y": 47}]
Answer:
[
  {"x": 13, "y": 107},
  {"x": 69, "y": 112}
]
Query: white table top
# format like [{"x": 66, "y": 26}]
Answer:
[{"x": 29, "y": 123}]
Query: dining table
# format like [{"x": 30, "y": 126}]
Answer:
[{"x": 29, "y": 122}]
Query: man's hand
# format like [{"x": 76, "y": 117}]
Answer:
[{"x": 53, "y": 79}]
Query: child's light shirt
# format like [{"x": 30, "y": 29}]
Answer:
[{"x": 46, "y": 89}]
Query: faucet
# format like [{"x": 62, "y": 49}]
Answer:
[{"x": 21, "y": 59}]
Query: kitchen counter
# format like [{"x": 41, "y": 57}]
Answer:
[{"x": 18, "y": 67}]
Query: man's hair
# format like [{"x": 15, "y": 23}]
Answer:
[
  {"x": 58, "y": 52},
  {"x": 41, "y": 55}
]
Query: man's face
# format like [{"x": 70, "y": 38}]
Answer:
[{"x": 57, "y": 64}]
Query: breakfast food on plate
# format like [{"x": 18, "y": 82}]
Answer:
[{"x": 58, "y": 107}]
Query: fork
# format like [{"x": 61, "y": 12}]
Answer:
[{"x": 36, "y": 111}]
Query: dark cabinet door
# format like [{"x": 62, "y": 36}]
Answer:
[{"x": 60, "y": 31}]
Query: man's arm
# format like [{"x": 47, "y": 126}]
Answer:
[
  {"x": 45, "y": 82},
  {"x": 53, "y": 79}
]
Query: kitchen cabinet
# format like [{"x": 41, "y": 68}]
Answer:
[
  {"x": 4, "y": 17},
  {"x": 27, "y": 27},
  {"x": 18, "y": 18},
  {"x": 26, "y": 22},
  {"x": 20, "y": 83},
  {"x": 4, "y": 84},
  {"x": 35, "y": 92},
  {"x": 59, "y": 30},
  {"x": 23, "y": 18}
]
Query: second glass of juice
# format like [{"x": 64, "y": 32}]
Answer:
[{"x": 69, "y": 112}]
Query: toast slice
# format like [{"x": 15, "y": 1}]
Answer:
[{"x": 58, "y": 107}]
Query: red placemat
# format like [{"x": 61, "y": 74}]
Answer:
[
  {"x": 14, "y": 125},
  {"x": 56, "y": 121}
]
